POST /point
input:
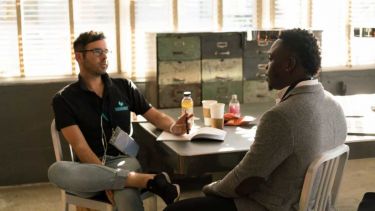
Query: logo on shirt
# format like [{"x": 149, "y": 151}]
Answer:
[{"x": 121, "y": 106}]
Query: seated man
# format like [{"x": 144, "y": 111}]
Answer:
[
  {"x": 304, "y": 123},
  {"x": 87, "y": 112}
]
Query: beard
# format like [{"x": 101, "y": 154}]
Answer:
[
  {"x": 270, "y": 88},
  {"x": 96, "y": 69}
]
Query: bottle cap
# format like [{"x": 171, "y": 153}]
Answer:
[
  {"x": 234, "y": 96},
  {"x": 187, "y": 93}
]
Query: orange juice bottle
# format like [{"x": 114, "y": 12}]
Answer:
[{"x": 187, "y": 105}]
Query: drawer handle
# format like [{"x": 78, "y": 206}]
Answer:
[
  {"x": 222, "y": 53},
  {"x": 261, "y": 75},
  {"x": 223, "y": 78},
  {"x": 178, "y": 52},
  {"x": 222, "y": 44},
  {"x": 178, "y": 80},
  {"x": 261, "y": 52},
  {"x": 262, "y": 67}
]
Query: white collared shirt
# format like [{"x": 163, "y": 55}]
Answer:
[{"x": 281, "y": 93}]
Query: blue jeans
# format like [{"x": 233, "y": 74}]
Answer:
[{"x": 88, "y": 180}]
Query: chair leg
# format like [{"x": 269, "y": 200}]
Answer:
[
  {"x": 63, "y": 200},
  {"x": 150, "y": 203},
  {"x": 66, "y": 206},
  {"x": 154, "y": 203}
]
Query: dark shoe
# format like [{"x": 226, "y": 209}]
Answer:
[{"x": 162, "y": 186}]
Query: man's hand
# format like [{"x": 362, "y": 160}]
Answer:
[
  {"x": 110, "y": 196},
  {"x": 181, "y": 125}
]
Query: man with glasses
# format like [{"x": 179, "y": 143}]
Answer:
[{"x": 88, "y": 112}]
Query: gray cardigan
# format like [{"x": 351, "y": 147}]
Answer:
[{"x": 289, "y": 136}]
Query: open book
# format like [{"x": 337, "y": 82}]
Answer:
[{"x": 203, "y": 133}]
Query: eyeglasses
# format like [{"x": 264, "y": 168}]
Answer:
[{"x": 98, "y": 51}]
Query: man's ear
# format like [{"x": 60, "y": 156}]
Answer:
[
  {"x": 78, "y": 56},
  {"x": 292, "y": 62}
]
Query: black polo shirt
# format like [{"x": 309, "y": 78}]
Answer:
[{"x": 76, "y": 105}]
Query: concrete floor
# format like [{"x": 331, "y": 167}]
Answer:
[{"x": 359, "y": 177}]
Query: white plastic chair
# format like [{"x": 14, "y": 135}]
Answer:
[
  {"x": 149, "y": 199},
  {"x": 324, "y": 176}
]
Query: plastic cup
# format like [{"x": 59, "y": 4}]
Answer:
[
  {"x": 217, "y": 115},
  {"x": 206, "y": 104}
]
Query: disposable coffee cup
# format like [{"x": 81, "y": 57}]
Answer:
[
  {"x": 206, "y": 104},
  {"x": 217, "y": 115}
]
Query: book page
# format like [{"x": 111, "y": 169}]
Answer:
[
  {"x": 196, "y": 132},
  {"x": 167, "y": 136},
  {"x": 210, "y": 133}
]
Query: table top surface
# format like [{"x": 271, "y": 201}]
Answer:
[{"x": 238, "y": 139}]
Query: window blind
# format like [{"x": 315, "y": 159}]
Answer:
[
  {"x": 46, "y": 38},
  {"x": 238, "y": 15},
  {"x": 363, "y": 17},
  {"x": 196, "y": 15},
  {"x": 289, "y": 13},
  {"x": 333, "y": 23},
  {"x": 97, "y": 15},
  {"x": 9, "y": 59},
  {"x": 151, "y": 16}
]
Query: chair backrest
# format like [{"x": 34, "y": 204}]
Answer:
[
  {"x": 68, "y": 198},
  {"x": 57, "y": 143},
  {"x": 324, "y": 176}
]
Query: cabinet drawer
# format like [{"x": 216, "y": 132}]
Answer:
[
  {"x": 257, "y": 91},
  {"x": 222, "y": 45},
  {"x": 222, "y": 91},
  {"x": 252, "y": 49},
  {"x": 222, "y": 69},
  {"x": 170, "y": 96},
  {"x": 255, "y": 61},
  {"x": 179, "y": 72},
  {"x": 178, "y": 48}
]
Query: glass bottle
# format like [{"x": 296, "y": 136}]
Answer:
[
  {"x": 187, "y": 105},
  {"x": 234, "y": 106}
]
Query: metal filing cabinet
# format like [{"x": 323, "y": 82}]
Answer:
[
  {"x": 178, "y": 47},
  {"x": 255, "y": 60},
  {"x": 222, "y": 66},
  {"x": 257, "y": 91},
  {"x": 221, "y": 90},
  {"x": 179, "y": 68},
  {"x": 170, "y": 95},
  {"x": 255, "y": 56}
]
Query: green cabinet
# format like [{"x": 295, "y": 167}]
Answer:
[
  {"x": 170, "y": 96},
  {"x": 178, "y": 47},
  {"x": 222, "y": 90},
  {"x": 222, "y": 45},
  {"x": 221, "y": 69},
  {"x": 179, "y": 72}
]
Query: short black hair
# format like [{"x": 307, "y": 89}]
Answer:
[
  {"x": 85, "y": 38},
  {"x": 305, "y": 46}
]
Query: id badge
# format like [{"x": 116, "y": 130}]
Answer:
[{"x": 124, "y": 143}]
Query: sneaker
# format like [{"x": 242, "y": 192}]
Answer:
[{"x": 162, "y": 186}]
